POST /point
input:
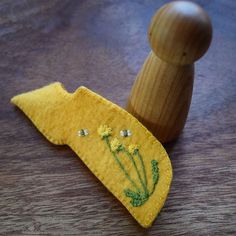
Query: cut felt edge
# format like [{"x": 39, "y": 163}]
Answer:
[
  {"x": 20, "y": 99},
  {"x": 149, "y": 219},
  {"x": 146, "y": 220}
]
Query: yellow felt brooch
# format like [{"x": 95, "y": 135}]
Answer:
[{"x": 114, "y": 145}]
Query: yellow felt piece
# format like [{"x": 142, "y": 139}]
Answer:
[{"x": 111, "y": 142}]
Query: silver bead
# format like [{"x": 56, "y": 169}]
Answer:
[
  {"x": 83, "y": 132},
  {"x": 125, "y": 133}
]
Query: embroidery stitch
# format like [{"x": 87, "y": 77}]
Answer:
[
  {"x": 155, "y": 173},
  {"x": 104, "y": 131},
  {"x": 121, "y": 165},
  {"x": 139, "y": 196},
  {"x": 134, "y": 149}
]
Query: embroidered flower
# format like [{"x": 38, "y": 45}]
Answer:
[
  {"x": 104, "y": 131},
  {"x": 133, "y": 148},
  {"x": 125, "y": 133},
  {"x": 83, "y": 132},
  {"x": 139, "y": 193},
  {"x": 116, "y": 146}
]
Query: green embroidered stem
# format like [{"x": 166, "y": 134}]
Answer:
[
  {"x": 138, "y": 196},
  {"x": 155, "y": 174},
  {"x": 143, "y": 168},
  {"x": 121, "y": 166},
  {"x": 137, "y": 171}
]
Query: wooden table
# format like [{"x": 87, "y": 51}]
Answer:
[{"x": 45, "y": 189}]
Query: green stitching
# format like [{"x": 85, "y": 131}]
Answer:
[
  {"x": 121, "y": 165},
  {"x": 137, "y": 171},
  {"x": 143, "y": 167},
  {"x": 138, "y": 197},
  {"x": 155, "y": 174}
]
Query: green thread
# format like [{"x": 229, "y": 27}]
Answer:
[
  {"x": 143, "y": 166},
  {"x": 138, "y": 197},
  {"x": 137, "y": 171},
  {"x": 155, "y": 173},
  {"x": 121, "y": 165}
]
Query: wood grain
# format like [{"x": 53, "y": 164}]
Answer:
[
  {"x": 179, "y": 34},
  {"x": 45, "y": 189},
  {"x": 161, "y": 96}
]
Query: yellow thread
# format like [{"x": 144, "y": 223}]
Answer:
[
  {"x": 104, "y": 131},
  {"x": 115, "y": 145},
  {"x": 133, "y": 148}
]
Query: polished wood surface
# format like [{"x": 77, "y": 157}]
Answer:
[
  {"x": 45, "y": 189},
  {"x": 161, "y": 96},
  {"x": 180, "y": 33}
]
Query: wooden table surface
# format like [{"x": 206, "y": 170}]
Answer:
[{"x": 45, "y": 189}]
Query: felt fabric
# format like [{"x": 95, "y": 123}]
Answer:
[{"x": 115, "y": 146}]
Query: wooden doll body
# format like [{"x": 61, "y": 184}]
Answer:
[
  {"x": 164, "y": 100},
  {"x": 179, "y": 34}
]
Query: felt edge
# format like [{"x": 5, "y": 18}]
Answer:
[
  {"x": 150, "y": 218},
  {"x": 14, "y": 101}
]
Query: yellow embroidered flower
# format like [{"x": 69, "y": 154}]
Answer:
[
  {"x": 116, "y": 146},
  {"x": 133, "y": 148},
  {"x": 104, "y": 131}
]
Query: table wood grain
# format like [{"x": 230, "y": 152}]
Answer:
[{"x": 45, "y": 189}]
